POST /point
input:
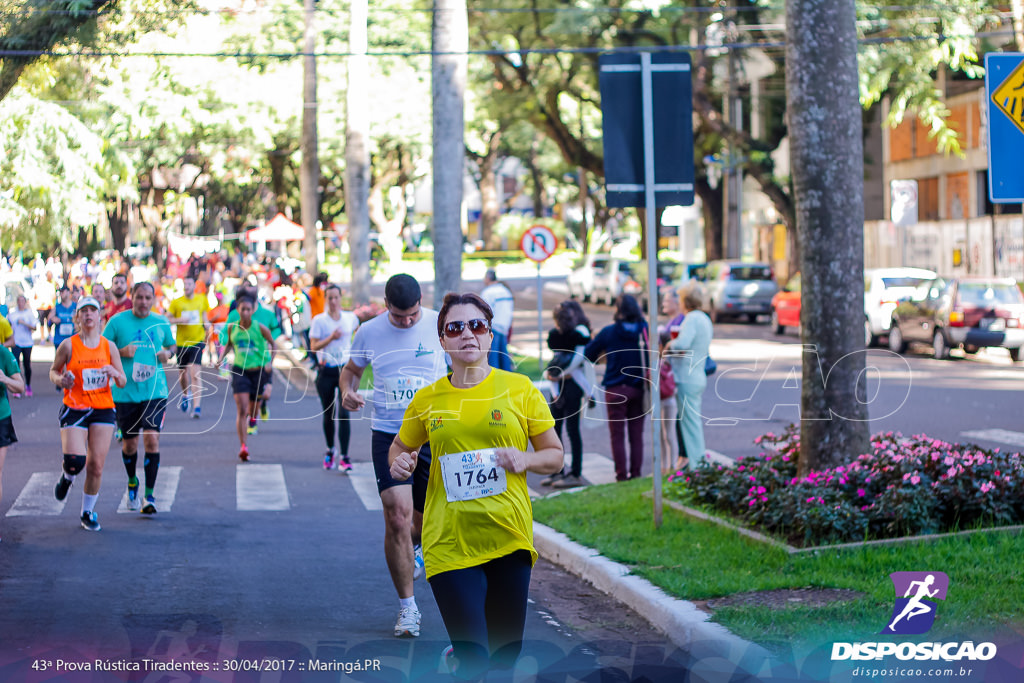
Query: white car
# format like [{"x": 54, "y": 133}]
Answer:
[{"x": 883, "y": 288}]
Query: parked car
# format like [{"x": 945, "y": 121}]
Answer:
[
  {"x": 735, "y": 288},
  {"x": 600, "y": 278},
  {"x": 883, "y": 287},
  {"x": 786, "y": 306},
  {"x": 669, "y": 274},
  {"x": 968, "y": 312}
]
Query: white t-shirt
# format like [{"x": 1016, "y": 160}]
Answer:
[
  {"x": 499, "y": 298},
  {"x": 403, "y": 360},
  {"x": 22, "y": 335},
  {"x": 336, "y": 353}
]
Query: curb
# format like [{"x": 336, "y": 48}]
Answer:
[{"x": 686, "y": 626}]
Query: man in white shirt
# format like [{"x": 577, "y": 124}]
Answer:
[
  {"x": 499, "y": 298},
  {"x": 403, "y": 347}
]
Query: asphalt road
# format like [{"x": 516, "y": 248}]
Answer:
[{"x": 247, "y": 568}]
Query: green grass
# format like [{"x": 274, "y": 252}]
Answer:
[
  {"x": 696, "y": 560},
  {"x": 527, "y": 365}
]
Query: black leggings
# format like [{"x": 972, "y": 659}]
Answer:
[
  {"x": 327, "y": 389},
  {"x": 567, "y": 409},
  {"x": 25, "y": 353},
  {"x": 484, "y": 611}
]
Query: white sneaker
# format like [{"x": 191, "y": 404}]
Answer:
[
  {"x": 418, "y": 566},
  {"x": 408, "y": 623}
]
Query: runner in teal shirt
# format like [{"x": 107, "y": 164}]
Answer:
[
  {"x": 145, "y": 343},
  {"x": 150, "y": 335}
]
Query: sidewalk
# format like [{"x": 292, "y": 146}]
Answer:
[{"x": 685, "y": 626}]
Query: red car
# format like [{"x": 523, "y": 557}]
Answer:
[{"x": 786, "y": 306}]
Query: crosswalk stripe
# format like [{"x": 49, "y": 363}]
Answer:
[
  {"x": 165, "y": 491},
  {"x": 364, "y": 481},
  {"x": 997, "y": 435},
  {"x": 260, "y": 487},
  {"x": 36, "y": 499}
]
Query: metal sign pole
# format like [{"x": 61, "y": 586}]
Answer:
[
  {"x": 540, "y": 321},
  {"x": 652, "y": 277}
]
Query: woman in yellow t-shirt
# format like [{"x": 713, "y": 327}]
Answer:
[{"x": 477, "y": 520}]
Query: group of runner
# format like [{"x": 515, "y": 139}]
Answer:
[{"x": 462, "y": 517}]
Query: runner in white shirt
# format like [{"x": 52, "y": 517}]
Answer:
[
  {"x": 330, "y": 335},
  {"x": 499, "y": 298},
  {"x": 24, "y": 322},
  {"x": 406, "y": 355}
]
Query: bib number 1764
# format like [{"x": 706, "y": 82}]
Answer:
[{"x": 471, "y": 475}]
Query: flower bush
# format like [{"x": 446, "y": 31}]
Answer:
[
  {"x": 368, "y": 311},
  {"x": 903, "y": 487}
]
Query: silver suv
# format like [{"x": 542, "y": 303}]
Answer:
[{"x": 735, "y": 288}]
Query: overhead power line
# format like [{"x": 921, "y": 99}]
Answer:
[{"x": 882, "y": 40}]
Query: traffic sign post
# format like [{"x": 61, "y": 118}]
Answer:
[
  {"x": 538, "y": 244},
  {"x": 1004, "y": 85},
  {"x": 633, "y": 127}
]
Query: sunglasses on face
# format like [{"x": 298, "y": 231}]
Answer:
[{"x": 477, "y": 326}]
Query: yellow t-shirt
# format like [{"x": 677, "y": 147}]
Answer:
[
  {"x": 190, "y": 333},
  {"x": 504, "y": 410},
  {"x": 6, "y": 331}
]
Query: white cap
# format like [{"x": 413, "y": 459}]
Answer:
[{"x": 87, "y": 301}]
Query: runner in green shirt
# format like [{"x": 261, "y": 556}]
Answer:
[
  {"x": 252, "y": 344},
  {"x": 266, "y": 318},
  {"x": 10, "y": 380}
]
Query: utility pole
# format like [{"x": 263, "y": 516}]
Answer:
[
  {"x": 448, "y": 67},
  {"x": 357, "y": 154},
  {"x": 309, "y": 171},
  {"x": 730, "y": 195}
]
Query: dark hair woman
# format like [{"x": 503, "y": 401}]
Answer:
[
  {"x": 567, "y": 340},
  {"x": 623, "y": 346}
]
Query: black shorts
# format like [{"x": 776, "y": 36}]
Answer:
[
  {"x": 191, "y": 355},
  {"x": 380, "y": 444},
  {"x": 7, "y": 434},
  {"x": 83, "y": 419},
  {"x": 250, "y": 382},
  {"x": 144, "y": 416}
]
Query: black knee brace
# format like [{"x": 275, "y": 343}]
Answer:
[{"x": 73, "y": 464}]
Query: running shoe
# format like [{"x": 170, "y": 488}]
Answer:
[
  {"x": 252, "y": 425},
  {"x": 264, "y": 411},
  {"x": 418, "y": 567},
  {"x": 570, "y": 481},
  {"x": 133, "y": 496},
  {"x": 183, "y": 403},
  {"x": 448, "y": 660},
  {"x": 60, "y": 491},
  {"x": 16, "y": 395},
  {"x": 90, "y": 522},
  {"x": 408, "y": 624},
  {"x": 195, "y": 413},
  {"x": 150, "y": 507},
  {"x": 344, "y": 466},
  {"x": 329, "y": 460},
  {"x": 243, "y": 454},
  {"x": 28, "y": 392}
]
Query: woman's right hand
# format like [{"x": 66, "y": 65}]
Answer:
[
  {"x": 67, "y": 380},
  {"x": 403, "y": 466}
]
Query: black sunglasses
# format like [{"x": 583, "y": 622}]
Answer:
[{"x": 477, "y": 326}]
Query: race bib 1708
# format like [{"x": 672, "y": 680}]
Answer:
[
  {"x": 471, "y": 475},
  {"x": 398, "y": 391},
  {"x": 94, "y": 379}
]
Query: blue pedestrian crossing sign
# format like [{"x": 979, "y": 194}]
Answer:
[{"x": 1004, "y": 87}]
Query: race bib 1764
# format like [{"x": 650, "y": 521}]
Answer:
[{"x": 471, "y": 475}]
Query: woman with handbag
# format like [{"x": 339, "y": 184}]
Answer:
[
  {"x": 689, "y": 357},
  {"x": 567, "y": 340},
  {"x": 624, "y": 347}
]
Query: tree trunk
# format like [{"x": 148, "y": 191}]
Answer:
[
  {"x": 309, "y": 176},
  {"x": 825, "y": 127},
  {"x": 357, "y": 155},
  {"x": 711, "y": 208},
  {"x": 450, "y": 40}
]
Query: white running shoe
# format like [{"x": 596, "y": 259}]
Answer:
[{"x": 408, "y": 624}]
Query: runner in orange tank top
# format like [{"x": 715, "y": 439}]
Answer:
[{"x": 83, "y": 367}]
